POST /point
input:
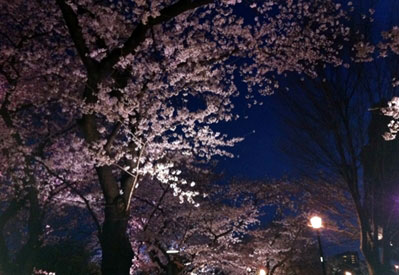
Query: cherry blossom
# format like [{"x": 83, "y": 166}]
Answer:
[{"x": 100, "y": 95}]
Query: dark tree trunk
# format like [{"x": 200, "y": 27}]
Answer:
[
  {"x": 371, "y": 261},
  {"x": 373, "y": 258},
  {"x": 5, "y": 261},
  {"x": 172, "y": 269},
  {"x": 117, "y": 253},
  {"x": 376, "y": 268},
  {"x": 25, "y": 259},
  {"x": 116, "y": 248}
]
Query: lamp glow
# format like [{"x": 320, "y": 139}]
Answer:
[
  {"x": 348, "y": 273},
  {"x": 262, "y": 272},
  {"x": 316, "y": 222}
]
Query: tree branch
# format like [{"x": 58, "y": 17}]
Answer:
[
  {"x": 130, "y": 189},
  {"x": 112, "y": 137},
  {"x": 74, "y": 189},
  {"x": 138, "y": 34},
  {"x": 75, "y": 31}
]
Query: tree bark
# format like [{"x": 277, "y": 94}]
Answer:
[
  {"x": 116, "y": 248},
  {"x": 374, "y": 266},
  {"x": 26, "y": 257},
  {"x": 172, "y": 268},
  {"x": 24, "y": 261},
  {"x": 372, "y": 254},
  {"x": 9, "y": 212}
]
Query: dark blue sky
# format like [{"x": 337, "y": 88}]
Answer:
[
  {"x": 258, "y": 156},
  {"x": 260, "y": 153}
]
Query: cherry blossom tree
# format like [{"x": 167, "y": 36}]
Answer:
[
  {"x": 236, "y": 229},
  {"x": 97, "y": 95},
  {"x": 204, "y": 235}
]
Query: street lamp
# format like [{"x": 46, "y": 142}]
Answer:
[
  {"x": 262, "y": 271},
  {"x": 348, "y": 273},
  {"x": 316, "y": 223}
]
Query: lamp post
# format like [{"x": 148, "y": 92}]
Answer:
[{"x": 316, "y": 223}]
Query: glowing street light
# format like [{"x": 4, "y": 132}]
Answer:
[
  {"x": 316, "y": 223},
  {"x": 262, "y": 271},
  {"x": 348, "y": 273}
]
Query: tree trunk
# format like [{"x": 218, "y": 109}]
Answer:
[
  {"x": 373, "y": 261},
  {"x": 172, "y": 269},
  {"x": 117, "y": 253},
  {"x": 372, "y": 264},
  {"x": 5, "y": 262},
  {"x": 116, "y": 248},
  {"x": 25, "y": 259},
  {"x": 374, "y": 267}
]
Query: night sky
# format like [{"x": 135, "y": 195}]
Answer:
[
  {"x": 260, "y": 153},
  {"x": 258, "y": 156}
]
